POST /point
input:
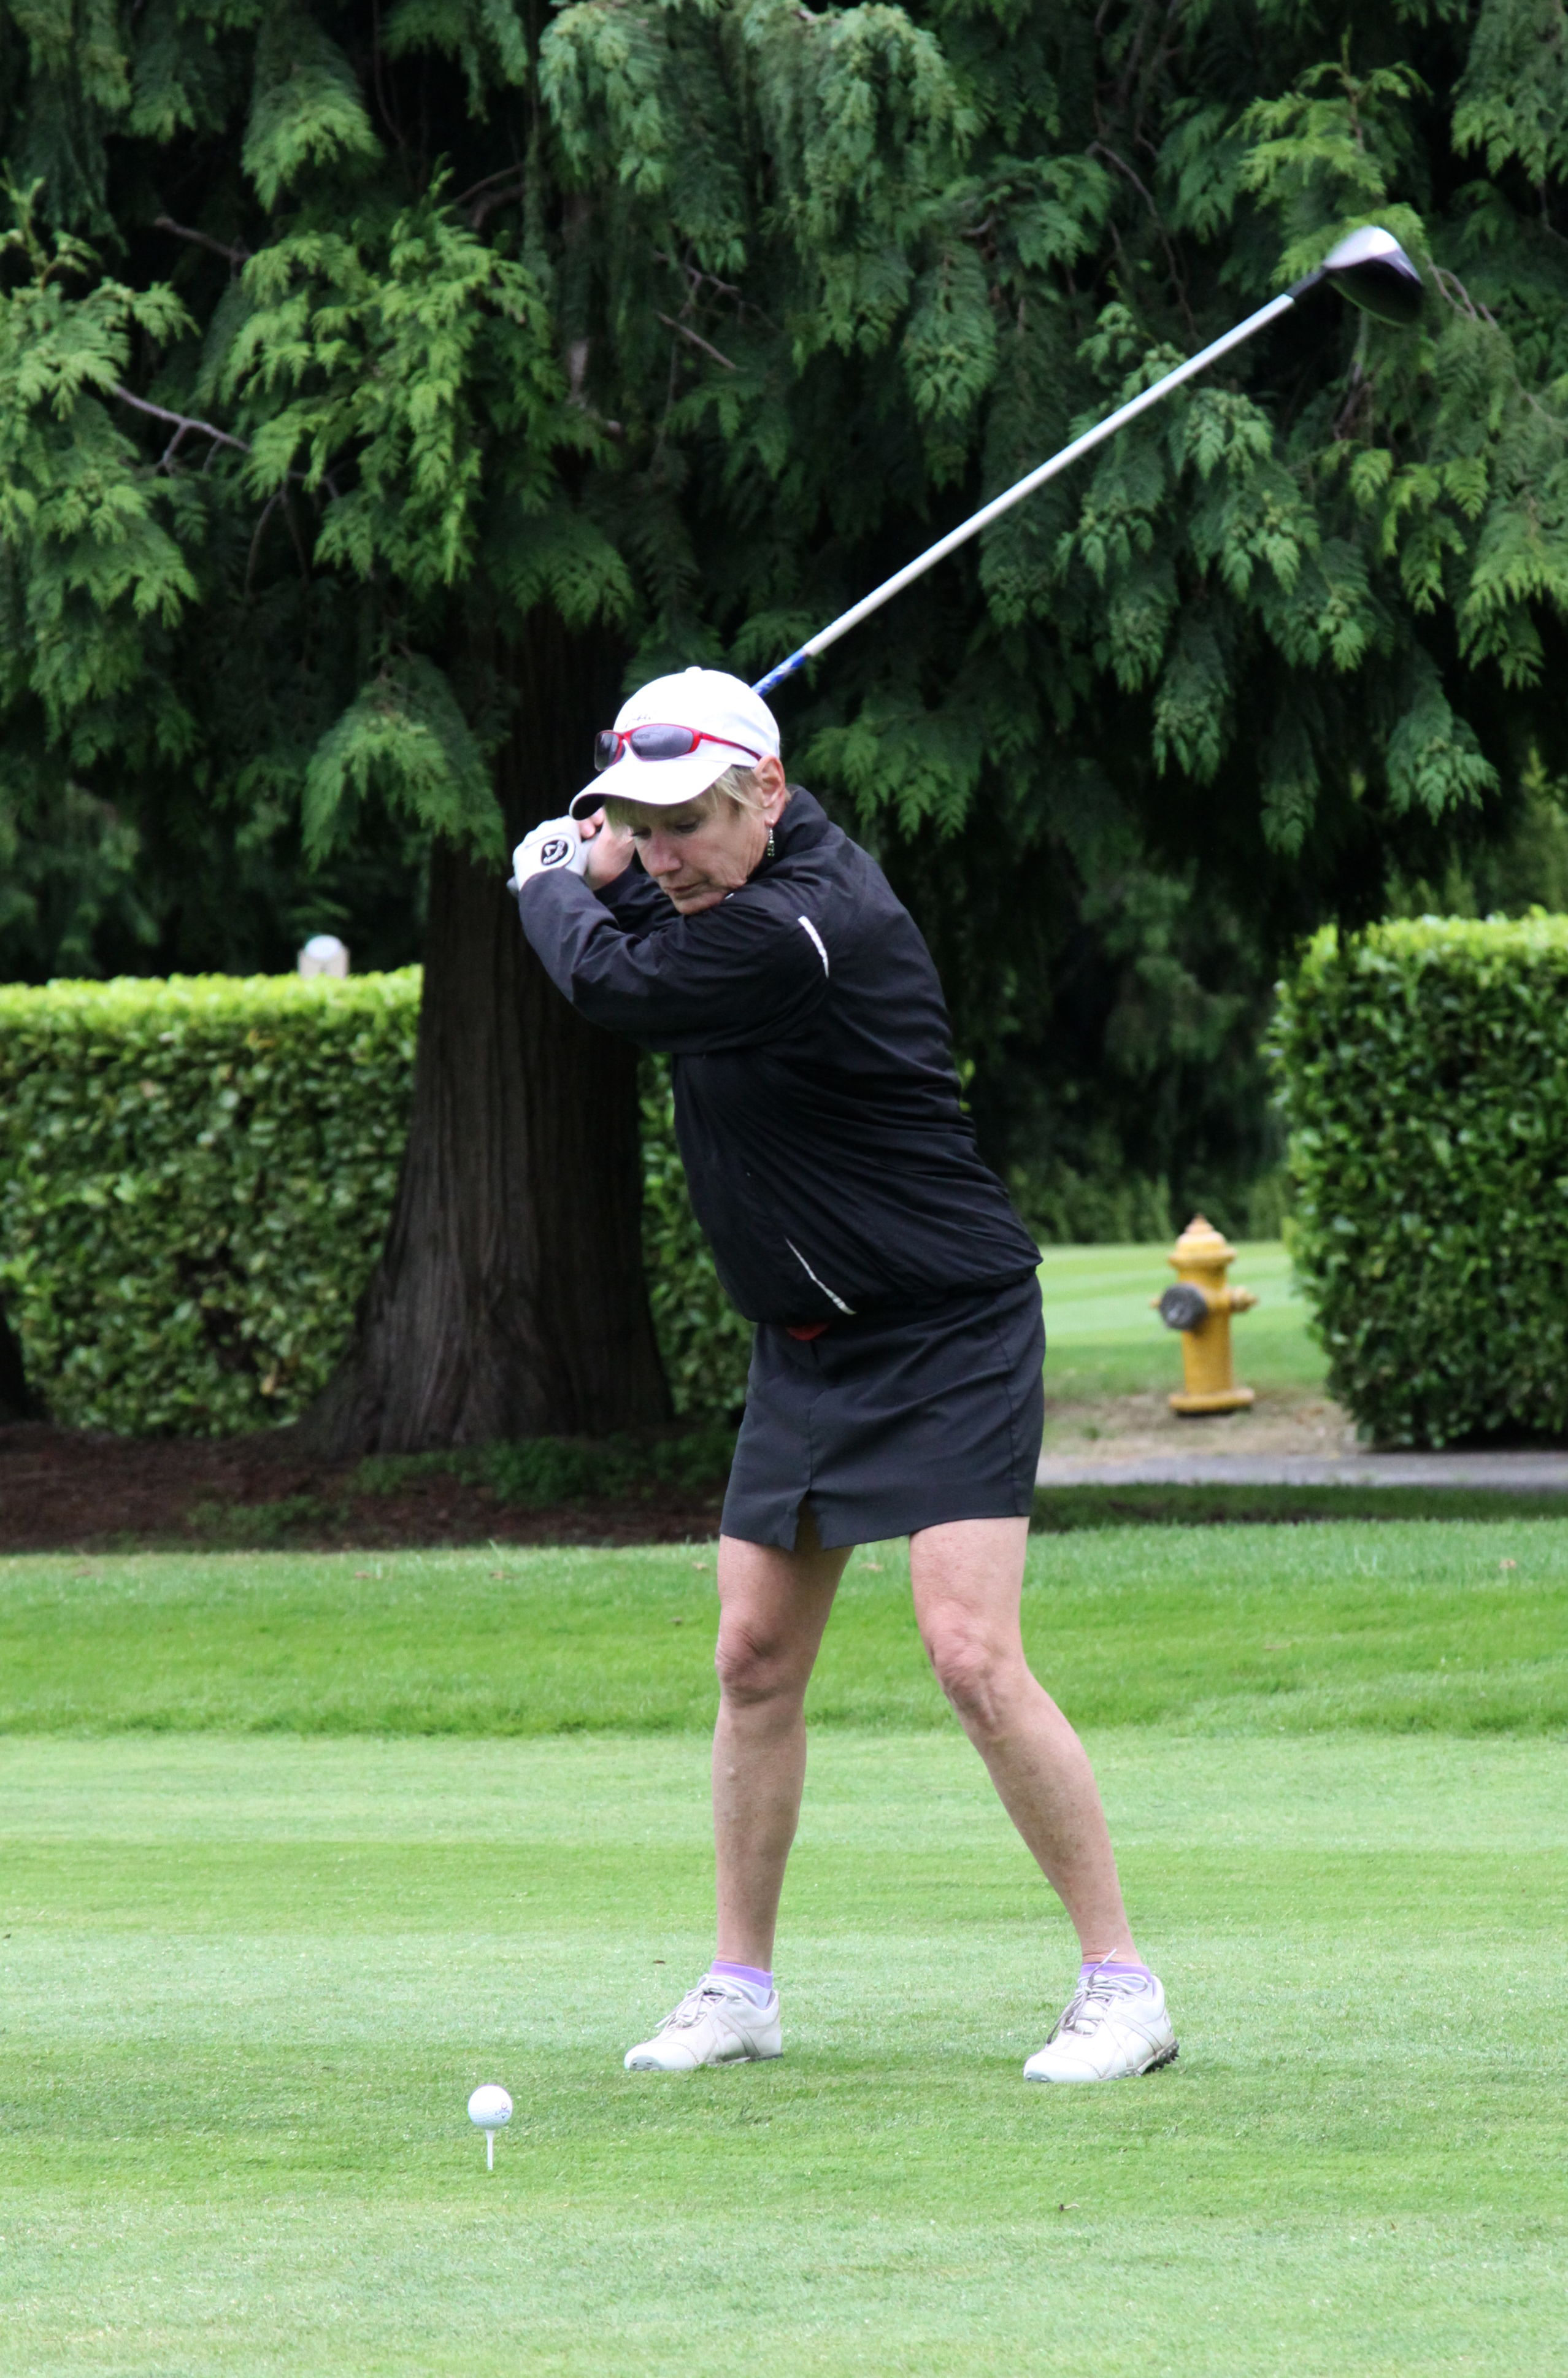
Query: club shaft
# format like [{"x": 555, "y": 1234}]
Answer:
[{"x": 1025, "y": 487}]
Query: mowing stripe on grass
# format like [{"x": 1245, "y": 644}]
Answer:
[
  {"x": 249, "y": 1983},
  {"x": 1459, "y": 1628}
]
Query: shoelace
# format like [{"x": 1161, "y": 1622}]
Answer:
[
  {"x": 1091, "y": 2003},
  {"x": 692, "y": 2007}
]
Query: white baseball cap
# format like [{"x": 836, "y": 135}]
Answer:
[{"x": 730, "y": 726}]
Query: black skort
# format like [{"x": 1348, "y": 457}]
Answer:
[{"x": 888, "y": 1424}]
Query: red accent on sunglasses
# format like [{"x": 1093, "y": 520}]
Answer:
[{"x": 610, "y": 742}]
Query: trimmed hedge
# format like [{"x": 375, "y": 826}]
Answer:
[
  {"x": 1424, "y": 1073},
  {"x": 195, "y": 1180},
  {"x": 706, "y": 1344}
]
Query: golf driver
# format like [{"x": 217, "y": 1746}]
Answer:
[{"x": 1368, "y": 266}]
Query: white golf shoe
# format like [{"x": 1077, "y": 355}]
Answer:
[
  {"x": 715, "y": 2023},
  {"x": 1113, "y": 2025}
]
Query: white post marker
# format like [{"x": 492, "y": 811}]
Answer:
[
  {"x": 488, "y": 2109},
  {"x": 323, "y": 953}
]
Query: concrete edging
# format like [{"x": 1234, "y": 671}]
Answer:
[{"x": 1514, "y": 1473}]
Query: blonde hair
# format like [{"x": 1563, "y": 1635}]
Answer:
[{"x": 738, "y": 786}]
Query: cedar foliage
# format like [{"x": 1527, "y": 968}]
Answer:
[{"x": 338, "y": 343}]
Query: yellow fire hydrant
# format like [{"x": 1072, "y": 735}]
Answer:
[{"x": 1200, "y": 1304}]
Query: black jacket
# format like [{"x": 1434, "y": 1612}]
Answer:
[{"x": 829, "y": 1160}]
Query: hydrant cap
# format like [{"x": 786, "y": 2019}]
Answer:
[{"x": 1201, "y": 1244}]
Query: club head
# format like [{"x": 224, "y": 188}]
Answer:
[{"x": 1371, "y": 267}]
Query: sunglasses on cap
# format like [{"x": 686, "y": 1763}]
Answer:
[{"x": 657, "y": 743}]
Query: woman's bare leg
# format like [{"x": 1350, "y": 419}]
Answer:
[
  {"x": 968, "y": 1579},
  {"x": 773, "y": 1606}
]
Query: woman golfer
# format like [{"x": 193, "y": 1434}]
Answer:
[{"x": 895, "y": 1384}]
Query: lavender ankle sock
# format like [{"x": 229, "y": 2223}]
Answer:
[
  {"x": 1113, "y": 1966},
  {"x": 757, "y": 1984}
]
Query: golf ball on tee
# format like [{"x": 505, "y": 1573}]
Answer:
[{"x": 489, "y": 2107}]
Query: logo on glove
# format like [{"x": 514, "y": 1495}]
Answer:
[{"x": 552, "y": 848}]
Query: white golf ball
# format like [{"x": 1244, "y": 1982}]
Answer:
[{"x": 489, "y": 2106}]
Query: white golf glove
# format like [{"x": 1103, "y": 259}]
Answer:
[{"x": 557, "y": 843}]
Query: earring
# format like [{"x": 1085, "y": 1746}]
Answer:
[{"x": 771, "y": 852}]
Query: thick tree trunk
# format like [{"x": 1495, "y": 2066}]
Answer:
[
  {"x": 16, "y": 1399},
  {"x": 509, "y": 1299}
]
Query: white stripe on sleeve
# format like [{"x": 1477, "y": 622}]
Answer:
[{"x": 816, "y": 939}]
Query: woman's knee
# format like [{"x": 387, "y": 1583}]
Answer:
[
  {"x": 979, "y": 1674},
  {"x": 753, "y": 1668}
]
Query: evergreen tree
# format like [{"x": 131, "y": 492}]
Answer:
[{"x": 381, "y": 385}]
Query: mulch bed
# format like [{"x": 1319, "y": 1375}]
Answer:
[
  {"x": 75, "y": 1490},
  {"x": 66, "y": 1490}
]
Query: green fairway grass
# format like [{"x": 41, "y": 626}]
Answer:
[
  {"x": 295, "y": 1850},
  {"x": 249, "y": 1984},
  {"x": 1103, "y": 1340},
  {"x": 1462, "y": 1627}
]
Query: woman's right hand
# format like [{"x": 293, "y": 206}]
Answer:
[{"x": 609, "y": 850}]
